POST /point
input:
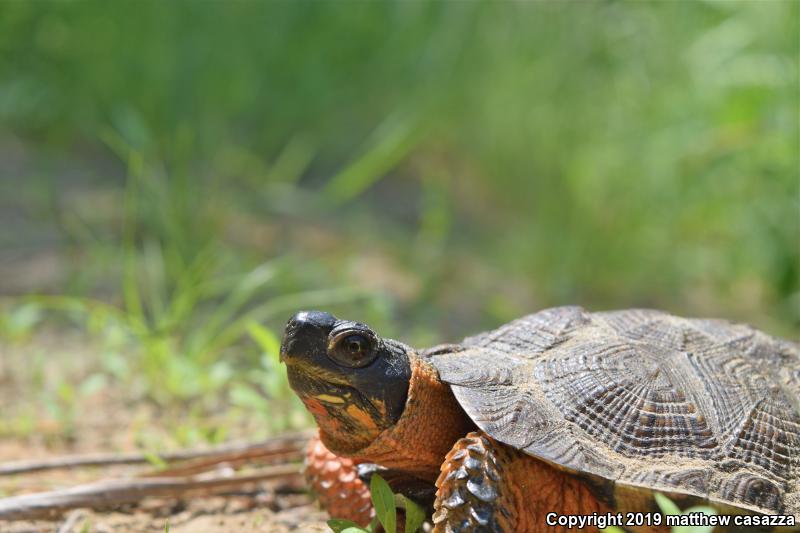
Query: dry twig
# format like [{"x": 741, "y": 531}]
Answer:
[
  {"x": 114, "y": 492},
  {"x": 279, "y": 447},
  {"x": 71, "y": 521}
]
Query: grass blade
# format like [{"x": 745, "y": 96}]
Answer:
[
  {"x": 383, "y": 501},
  {"x": 415, "y": 515}
]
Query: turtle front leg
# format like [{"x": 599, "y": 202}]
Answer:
[
  {"x": 470, "y": 495},
  {"x": 486, "y": 486},
  {"x": 337, "y": 485}
]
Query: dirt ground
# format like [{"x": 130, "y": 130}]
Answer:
[
  {"x": 210, "y": 515},
  {"x": 32, "y": 428}
]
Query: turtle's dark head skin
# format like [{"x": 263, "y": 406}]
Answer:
[{"x": 354, "y": 382}]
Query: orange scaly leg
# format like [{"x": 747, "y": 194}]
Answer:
[{"x": 486, "y": 486}]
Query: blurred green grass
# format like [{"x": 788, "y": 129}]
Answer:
[{"x": 433, "y": 168}]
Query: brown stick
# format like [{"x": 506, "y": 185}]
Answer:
[
  {"x": 114, "y": 492},
  {"x": 276, "y": 446},
  {"x": 71, "y": 521},
  {"x": 281, "y": 456}
]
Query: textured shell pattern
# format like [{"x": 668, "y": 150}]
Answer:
[{"x": 641, "y": 398}]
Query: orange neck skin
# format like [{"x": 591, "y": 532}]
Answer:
[{"x": 429, "y": 426}]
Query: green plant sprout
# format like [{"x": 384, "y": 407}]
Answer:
[
  {"x": 668, "y": 507},
  {"x": 386, "y": 504}
]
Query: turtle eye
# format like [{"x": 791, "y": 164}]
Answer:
[{"x": 353, "y": 350}]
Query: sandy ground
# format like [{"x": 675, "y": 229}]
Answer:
[{"x": 212, "y": 515}]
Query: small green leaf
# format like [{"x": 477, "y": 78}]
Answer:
[
  {"x": 93, "y": 384},
  {"x": 355, "y": 530},
  {"x": 415, "y": 515},
  {"x": 339, "y": 525},
  {"x": 612, "y": 529},
  {"x": 666, "y": 505},
  {"x": 696, "y": 529},
  {"x": 155, "y": 460},
  {"x": 19, "y": 322},
  {"x": 383, "y": 501},
  {"x": 166, "y": 526}
]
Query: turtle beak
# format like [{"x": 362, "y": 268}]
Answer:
[{"x": 305, "y": 335}]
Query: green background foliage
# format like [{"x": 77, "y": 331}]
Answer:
[{"x": 179, "y": 177}]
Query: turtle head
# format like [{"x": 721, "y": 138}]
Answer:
[{"x": 354, "y": 382}]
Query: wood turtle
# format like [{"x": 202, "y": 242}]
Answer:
[{"x": 562, "y": 412}]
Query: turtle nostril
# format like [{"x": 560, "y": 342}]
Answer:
[{"x": 306, "y": 333}]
